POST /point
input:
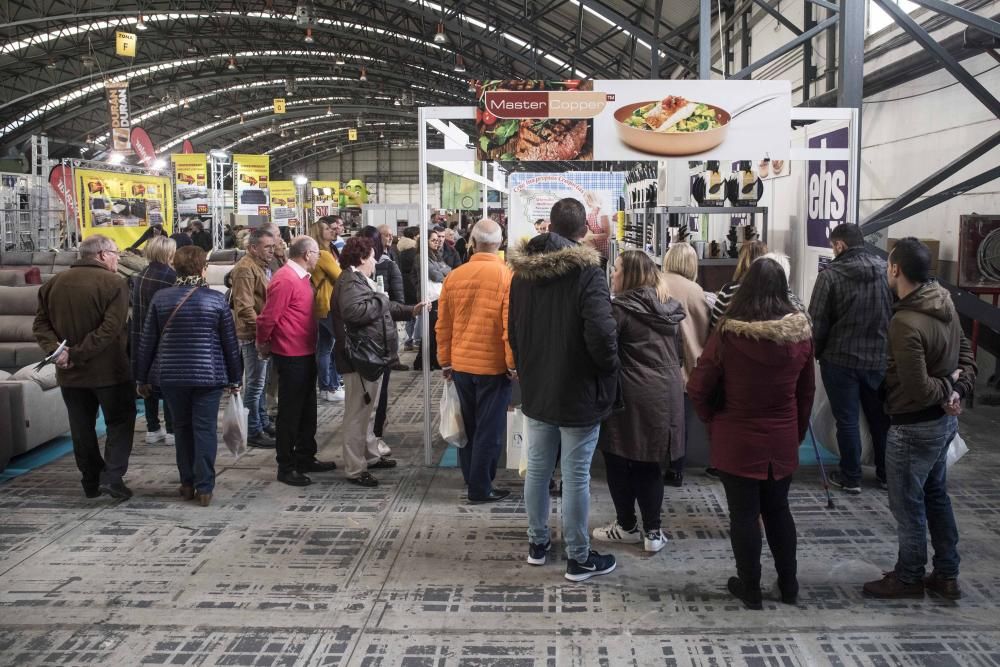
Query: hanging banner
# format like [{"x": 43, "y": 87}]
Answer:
[
  {"x": 352, "y": 134},
  {"x": 284, "y": 204},
  {"x": 279, "y": 105},
  {"x": 191, "y": 176},
  {"x": 120, "y": 123},
  {"x": 633, "y": 120},
  {"x": 826, "y": 190},
  {"x": 61, "y": 180},
  {"x": 122, "y": 206},
  {"x": 142, "y": 146},
  {"x": 250, "y": 185},
  {"x": 125, "y": 44},
  {"x": 326, "y": 197},
  {"x": 187, "y": 147}
]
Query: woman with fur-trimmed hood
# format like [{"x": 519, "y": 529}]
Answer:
[{"x": 754, "y": 386}]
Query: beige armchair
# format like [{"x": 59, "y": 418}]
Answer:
[{"x": 34, "y": 409}]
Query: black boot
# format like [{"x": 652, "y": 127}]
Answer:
[
  {"x": 748, "y": 594},
  {"x": 789, "y": 589}
]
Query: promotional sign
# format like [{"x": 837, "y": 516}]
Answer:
[
  {"x": 826, "y": 190},
  {"x": 633, "y": 120},
  {"x": 125, "y": 44},
  {"x": 279, "y": 105},
  {"x": 326, "y": 197},
  {"x": 120, "y": 123},
  {"x": 61, "y": 180},
  {"x": 122, "y": 206},
  {"x": 191, "y": 176},
  {"x": 352, "y": 134},
  {"x": 250, "y": 185},
  {"x": 284, "y": 204},
  {"x": 142, "y": 146},
  {"x": 532, "y": 197}
]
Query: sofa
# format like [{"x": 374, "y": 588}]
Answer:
[
  {"x": 48, "y": 263},
  {"x": 35, "y": 409},
  {"x": 17, "y": 316}
]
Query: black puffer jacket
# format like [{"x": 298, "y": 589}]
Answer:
[
  {"x": 392, "y": 278},
  {"x": 562, "y": 332},
  {"x": 406, "y": 250},
  {"x": 359, "y": 308},
  {"x": 199, "y": 349}
]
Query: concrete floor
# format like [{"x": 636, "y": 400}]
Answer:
[{"x": 409, "y": 574}]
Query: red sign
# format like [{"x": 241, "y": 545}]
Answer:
[
  {"x": 187, "y": 147},
  {"x": 142, "y": 146},
  {"x": 61, "y": 180}
]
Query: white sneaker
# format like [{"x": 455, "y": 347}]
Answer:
[
  {"x": 654, "y": 541},
  {"x": 153, "y": 437},
  {"x": 383, "y": 449},
  {"x": 613, "y": 532},
  {"x": 336, "y": 396},
  {"x": 168, "y": 439}
]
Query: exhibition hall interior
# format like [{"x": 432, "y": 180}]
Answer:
[{"x": 501, "y": 333}]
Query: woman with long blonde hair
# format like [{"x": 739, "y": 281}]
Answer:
[{"x": 324, "y": 277}]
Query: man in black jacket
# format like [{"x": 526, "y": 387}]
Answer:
[
  {"x": 850, "y": 309},
  {"x": 563, "y": 337}
]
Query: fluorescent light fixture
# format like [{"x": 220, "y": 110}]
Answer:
[
  {"x": 309, "y": 36},
  {"x": 140, "y": 24}
]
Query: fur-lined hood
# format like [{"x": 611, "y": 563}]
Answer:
[
  {"x": 405, "y": 243},
  {"x": 549, "y": 257},
  {"x": 792, "y": 328}
]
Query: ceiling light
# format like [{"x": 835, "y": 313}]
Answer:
[
  {"x": 241, "y": 119},
  {"x": 309, "y": 36},
  {"x": 329, "y": 111},
  {"x": 314, "y": 142},
  {"x": 472, "y": 86},
  {"x": 51, "y": 64},
  {"x": 339, "y": 61},
  {"x": 187, "y": 105},
  {"x": 232, "y": 64},
  {"x": 381, "y": 135},
  {"x": 284, "y": 133},
  {"x": 116, "y": 158},
  {"x": 440, "y": 37},
  {"x": 160, "y": 163},
  {"x": 459, "y": 63},
  {"x": 396, "y": 102},
  {"x": 140, "y": 24},
  {"x": 300, "y": 180},
  {"x": 364, "y": 74}
]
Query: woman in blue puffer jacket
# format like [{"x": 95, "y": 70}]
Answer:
[{"x": 189, "y": 350}]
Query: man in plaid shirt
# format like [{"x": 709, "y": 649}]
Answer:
[{"x": 850, "y": 309}]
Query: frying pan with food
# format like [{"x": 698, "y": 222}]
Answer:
[{"x": 678, "y": 143}]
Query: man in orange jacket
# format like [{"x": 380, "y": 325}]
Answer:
[{"x": 479, "y": 361}]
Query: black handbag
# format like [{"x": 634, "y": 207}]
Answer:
[{"x": 369, "y": 358}]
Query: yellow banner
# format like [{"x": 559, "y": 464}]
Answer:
[
  {"x": 326, "y": 197},
  {"x": 125, "y": 44},
  {"x": 191, "y": 176},
  {"x": 250, "y": 184},
  {"x": 352, "y": 134},
  {"x": 284, "y": 204},
  {"x": 279, "y": 105},
  {"x": 122, "y": 206}
]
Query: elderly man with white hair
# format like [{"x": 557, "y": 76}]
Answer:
[{"x": 474, "y": 354}]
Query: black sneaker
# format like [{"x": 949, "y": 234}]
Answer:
[
  {"x": 261, "y": 441},
  {"x": 538, "y": 552},
  {"x": 595, "y": 565},
  {"x": 838, "y": 480}
]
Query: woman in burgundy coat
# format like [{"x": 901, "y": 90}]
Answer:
[{"x": 754, "y": 387}]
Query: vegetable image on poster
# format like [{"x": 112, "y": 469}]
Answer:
[
  {"x": 251, "y": 174},
  {"x": 191, "y": 176},
  {"x": 122, "y": 206}
]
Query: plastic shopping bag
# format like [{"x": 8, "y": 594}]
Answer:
[
  {"x": 517, "y": 442},
  {"x": 452, "y": 427},
  {"x": 234, "y": 425},
  {"x": 956, "y": 450}
]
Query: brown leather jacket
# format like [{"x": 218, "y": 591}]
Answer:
[{"x": 249, "y": 293}]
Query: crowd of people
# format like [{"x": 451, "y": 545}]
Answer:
[{"x": 627, "y": 368}]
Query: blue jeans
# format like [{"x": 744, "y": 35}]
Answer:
[
  {"x": 152, "y": 409},
  {"x": 918, "y": 497},
  {"x": 484, "y": 400},
  {"x": 196, "y": 421},
  {"x": 578, "y": 444},
  {"x": 852, "y": 392},
  {"x": 410, "y": 324},
  {"x": 254, "y": 382},
  {"x": 329, "y": 378}
]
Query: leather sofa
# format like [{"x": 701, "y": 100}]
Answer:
[
  {"x": 32, "y": 411},
  {"x": 17, "y": 316},
  {"x": 48, "y": 263}
]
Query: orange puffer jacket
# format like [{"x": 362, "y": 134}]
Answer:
[{"x": 472, "y": 317}]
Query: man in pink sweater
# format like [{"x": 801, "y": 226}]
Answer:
[{"x": 286, "y": 331}]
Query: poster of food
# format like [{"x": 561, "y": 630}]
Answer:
[
  {"x": 191, "y": 176},
  {"x": 326, "y": 197},
  {"x": 122, "y": 206},
  {"x": 633, "y": 120},
  {"x": 826, "y": 190},
  {"x": 250, "y": 185},
  {"x": 284, "y": 204}
]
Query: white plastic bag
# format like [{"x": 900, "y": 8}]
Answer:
[
  {"x": 517, "y": 442},
  {"x": 234, "y": 425},
  {"x": 956, "y": 450},
  {"x": 452, "y": 427}
]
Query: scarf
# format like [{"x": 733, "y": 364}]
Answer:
[{"x": 190, "y": 281}]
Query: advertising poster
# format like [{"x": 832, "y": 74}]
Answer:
[
  {"x": 191, "y": 176},
  {"x": 251, "y": 174},
  {"x": 142, "y": 146},
  {"x": 460, "y": 193},
  {"x": 326, "y": 197},
  {"x": 826, "y": 190},
  {"x": 121, "y": 125},
  {"x": 284, "y": 204},
  {"x": 633, "y": 120},
  {"x": 122, "y": 206}
]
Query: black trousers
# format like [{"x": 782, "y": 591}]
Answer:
[
  {"x": 429, "y": 346},
  {"x": 296, "y": 428},
  {"x": 634, "y": 482},
  {"x": 117, "y": 402},
  {"x": 153, "y": 412},
  {"x": 753, "y": 500},
  {"x": 383, "y": 405}
]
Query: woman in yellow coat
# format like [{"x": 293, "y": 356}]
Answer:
[{"x": 324, "y": 277}]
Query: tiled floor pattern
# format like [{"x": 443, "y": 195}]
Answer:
[{"x": 409, "y": 574}]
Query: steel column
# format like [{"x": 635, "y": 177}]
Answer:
[
  {"x": 850, "y": 81},
  {"x": 807, "y": 52},
  {"x": 705, "y": 40}
]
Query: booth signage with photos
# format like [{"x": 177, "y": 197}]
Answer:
[
  {"x": 826, "y": 190},
  {"x": 532, "y": 197},
  {"x": 251, "y": 174},
  {"x": 325, "y": 197},
  {"x": 284, "y": 204},
  {"x": 191, "y": 176},
  {"x": 122, "y": 206}
]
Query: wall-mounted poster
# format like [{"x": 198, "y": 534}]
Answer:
[
  {"x": 633, "y": 120},
  {"x": 284, "y": 204},
  {"x": 122, "y": 206},
  {"x": 826, "y": 190},
  {"x": 251, "y": 174},
  {"x": 191, "y": 176},
  {"x": 326, "y": 197}
]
